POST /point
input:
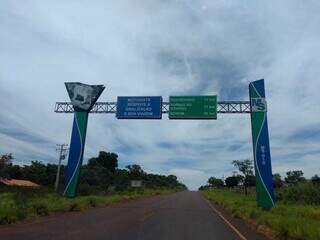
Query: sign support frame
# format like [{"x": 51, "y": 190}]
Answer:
[
  {"x": 83, "y": 97},
  {"x": 256, "y": 107}
]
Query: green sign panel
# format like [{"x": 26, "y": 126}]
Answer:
[{"x": 193, "y": 107}]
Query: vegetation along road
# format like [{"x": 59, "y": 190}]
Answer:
[{"x": 184, "y": 215}]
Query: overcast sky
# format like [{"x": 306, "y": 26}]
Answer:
[{"x": 162, "y": 48}]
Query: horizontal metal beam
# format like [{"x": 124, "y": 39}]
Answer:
[
  {"x": 111, "y": 107},
  {"x": 234, "y": 107}
]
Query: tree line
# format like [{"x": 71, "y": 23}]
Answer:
[
  {"x": 245, "y": 178},
  {"x": 99, "y": 174}
]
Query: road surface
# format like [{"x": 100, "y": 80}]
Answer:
[{"x": 185, "y": 215}]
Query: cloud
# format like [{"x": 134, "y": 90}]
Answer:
[{"x": 162, "y": 48}]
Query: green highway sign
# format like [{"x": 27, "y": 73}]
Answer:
[{"x": 193, "y": 107}]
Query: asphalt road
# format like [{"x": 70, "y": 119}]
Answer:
[{"x": 184, "y": 215}]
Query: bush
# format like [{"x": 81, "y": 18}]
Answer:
[
  {"x": 74, "y": 206},
  {"x": 305, "y": 193},
  {"x": 40, "y": 209},
  {"x": 92, "y": 202}
]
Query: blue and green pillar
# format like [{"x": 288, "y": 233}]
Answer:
[
  {"x": 261, "y": 147},
  {"x": 82, "y": 97}
]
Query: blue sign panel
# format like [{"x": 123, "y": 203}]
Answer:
[{"x": 139, "y": 107}]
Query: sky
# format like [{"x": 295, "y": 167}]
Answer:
[{"x": 162, "y": 48}]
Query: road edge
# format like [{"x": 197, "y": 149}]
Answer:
[
  {"x": 239, "y": 234},
  {"x": 263, "y": 230}
]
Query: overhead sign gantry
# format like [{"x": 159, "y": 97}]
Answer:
[{"x": 83, "y": 101}]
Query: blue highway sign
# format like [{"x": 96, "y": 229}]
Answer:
[{"x": 145, "y": 107}]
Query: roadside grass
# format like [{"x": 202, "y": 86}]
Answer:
[
  {"x": 287, "y": 219},
  {"x": 21, "y": 203},
  {"x": 304, "y": 193}
]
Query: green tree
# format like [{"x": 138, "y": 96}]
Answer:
[
  {"x": 135, "y": 172},
  {"x": 105, "y": 160},
  {"x": 36, "y": 172},
  {"x": 121, "y": 179},
  {"x": 100, "y": 171},
  {"x": 246, "y": 168},
  {"x": 96, "y": 176},
  {"x": 91, "y": 175},
  {"x": 205, "y": 187},
  {"x": 276, "y": 179},
  {"x": 215, "y": 182},
  {"x": 315, "y": 179},
  {"x": 51, "y": 171},
  {"x": 240, "y": 179},
  {"x": 294, "y": 177},
  {"x": 15, "y": 171},
  {"x": 172, "y": 180},
  {"x": 5, "y": 164},
  {"x": 250, "y": 181},
  {"x": 232, "y": 181}
]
